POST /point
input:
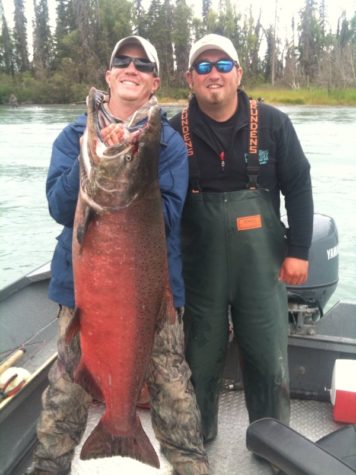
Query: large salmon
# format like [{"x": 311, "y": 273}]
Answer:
[{"x": 120, "y": 278}]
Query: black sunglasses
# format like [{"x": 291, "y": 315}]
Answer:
[
  {"x": 141, "y": 64},
  {"x": 223, "y": 66}
]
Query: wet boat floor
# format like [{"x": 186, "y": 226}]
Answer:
[{"x": 227, "y": 454}]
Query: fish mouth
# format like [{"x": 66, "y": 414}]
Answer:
[{"x": 127, "y": 148}]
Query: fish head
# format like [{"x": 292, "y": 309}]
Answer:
[{"x": 114, "y": 176}]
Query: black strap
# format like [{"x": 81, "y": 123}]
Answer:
[
  {"x": 253, "y": 164},
  {"x": 193, "y": 163}
]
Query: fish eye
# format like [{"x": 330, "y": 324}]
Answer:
[{"x": 128, "y": 158}]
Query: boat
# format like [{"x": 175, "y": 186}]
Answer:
[{"x": 310, "y": 446}]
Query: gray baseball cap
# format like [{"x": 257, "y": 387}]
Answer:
[
  {"x": 148, "y": 48},
  {"x": 212, "y": 41}
]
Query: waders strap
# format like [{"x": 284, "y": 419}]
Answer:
[
  {"x": 253, "y": 164},
  {"x": 193, "y": 163}
]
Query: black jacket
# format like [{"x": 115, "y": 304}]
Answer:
[{"x": 283, "y": 165}]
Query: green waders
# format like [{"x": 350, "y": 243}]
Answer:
[{"x": 233, "y": 245}]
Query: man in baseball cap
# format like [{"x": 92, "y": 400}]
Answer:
[
  {"x": 236, "y": 257},
  {"x": 132, "y": 80}
]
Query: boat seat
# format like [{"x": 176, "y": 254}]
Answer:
[
  {"x": 342, "y": 444},
  {"x": 294, "y": 454}
]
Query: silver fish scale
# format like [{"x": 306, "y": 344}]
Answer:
[{"x": 227, "y": 454}]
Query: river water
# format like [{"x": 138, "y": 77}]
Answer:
[{"x": 327, "y": 134}]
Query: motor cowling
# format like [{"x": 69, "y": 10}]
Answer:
[{"x": 310, "y": 298}]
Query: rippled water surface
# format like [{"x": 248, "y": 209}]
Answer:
[{"x": 328, "y": 136}]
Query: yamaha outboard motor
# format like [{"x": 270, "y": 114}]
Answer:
[{"x": 306, "y": 302}]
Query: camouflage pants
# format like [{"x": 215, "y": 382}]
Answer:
[{"x": 175, "y": 414}]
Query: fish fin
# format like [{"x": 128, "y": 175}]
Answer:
[
  {"x": 167, "y": 311},
  {"x": 83, "y": 377},
  {"x": 73, "y": 327},
  {"x": 101, "y": 443},
  {"x": 171, "y": 312},
  {"x": 87, "y": 215},
  {"x": 144, "y": 399}
]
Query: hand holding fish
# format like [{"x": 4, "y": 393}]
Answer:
[{"x": 113, "y": 134}]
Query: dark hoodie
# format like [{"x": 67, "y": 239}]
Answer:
[{"x": 283, "y": 165}]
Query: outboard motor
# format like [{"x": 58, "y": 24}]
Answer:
[{"x": 306, "y": 302}]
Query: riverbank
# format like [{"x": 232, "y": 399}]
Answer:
[
  {"x": 314, "y": 97},
  {"x": 179, "y": 97},
  {"x": 24, "y": 89},
  {"x": 325, "y": 97}
]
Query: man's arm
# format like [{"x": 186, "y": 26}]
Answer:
[
  {"x": 62, "y": 185},
  {"x": 295, "y": 182},
  {"x": 173, "y": 176}
]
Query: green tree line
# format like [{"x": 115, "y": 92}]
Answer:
[{"x": 65, "y": 61}]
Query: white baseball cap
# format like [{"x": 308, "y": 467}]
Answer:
[
  {"x": 148, "y": 48},
  {"x": 212, "y": 41}
]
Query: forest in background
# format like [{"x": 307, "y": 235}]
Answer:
[{"x": 64, "y": 62}]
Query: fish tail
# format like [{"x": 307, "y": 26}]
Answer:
[{"x": 101, "y": 443}]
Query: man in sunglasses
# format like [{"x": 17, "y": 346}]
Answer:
[
  {"x": 237, "y": 256},
  {"x": 132, "y": 79}
]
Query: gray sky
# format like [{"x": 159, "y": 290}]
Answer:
[{"x": 286, "y": 9}]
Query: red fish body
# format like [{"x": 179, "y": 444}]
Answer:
[{"x": 121, "y": 281}]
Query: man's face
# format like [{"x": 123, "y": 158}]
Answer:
[
  {"x": 214, "y": 89},
  {"x": 128, "y": 84}
]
